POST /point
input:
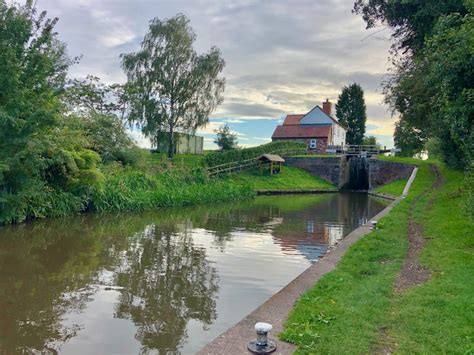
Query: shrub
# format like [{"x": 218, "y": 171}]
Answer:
[
  {"x": 39, "y": 201},
  {"x": 134, "y": 156},
  {"x": 469, "y": 188},
  {"x": 236, "y": 155}
]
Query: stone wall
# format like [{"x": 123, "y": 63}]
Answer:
[
  {"x": 328, "y": 168},
  {"x": 336, "y": 170},
  {"x": 382, "y": 172}
]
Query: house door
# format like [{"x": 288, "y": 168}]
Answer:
[{"x": 312, "y": 144}]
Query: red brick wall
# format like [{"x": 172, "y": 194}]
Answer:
[{"x": 321, "y": 144}]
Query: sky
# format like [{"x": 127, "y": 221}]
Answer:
[{"x": 281, "y": 56}]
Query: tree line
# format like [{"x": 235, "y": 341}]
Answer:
[
  {"x": 431, "y": 87},
  {"x": 57, "y": 132}
]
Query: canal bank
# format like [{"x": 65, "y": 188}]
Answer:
[
  {"x": 276, "y": 309},
  {"x": 362, "y": 305}
]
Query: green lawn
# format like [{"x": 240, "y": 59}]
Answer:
[
  {"x": 288, "y": 179},
  {"x": 394, "y": 188},
  {"x": 354, "y": 308}
]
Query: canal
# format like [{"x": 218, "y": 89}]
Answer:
[{"x": 167, "y": 281}]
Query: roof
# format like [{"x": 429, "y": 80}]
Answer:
[
  {"x": 321, "y": 111},
  {"x": 292, "y": 120},
  {"x": 292, "y": 132},
  {"x": 272, "y": 157}
]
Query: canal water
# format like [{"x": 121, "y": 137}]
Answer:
[{"x": 162, "y": 282}]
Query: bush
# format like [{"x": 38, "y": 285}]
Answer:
[
  {"x": 134, "y": 156},
  {"x": 236, "y": 155},
  {"x": 469, "y": 187},
  {"x": 39, "y": 202}
]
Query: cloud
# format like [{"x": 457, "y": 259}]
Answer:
[
  {"x": 281, "y": 57},
  {"x": 250, "y": 110}
]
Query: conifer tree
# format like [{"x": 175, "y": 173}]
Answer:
[{"x": 351, "y": 113}]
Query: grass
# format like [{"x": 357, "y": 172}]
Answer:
[
  {"x": 403, "y": 160},
  {"x": 289, "y": 178},
  {"x": 347, "y": 309},
  {"x": 394, "y": 188},
  {"x": 180, "y": 160},
  {"x": 132, "y": 190}
]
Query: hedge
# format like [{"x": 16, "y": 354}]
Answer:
[{"x": 238, "y": 155}]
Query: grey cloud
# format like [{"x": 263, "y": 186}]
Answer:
[
  {"x": 276, "y": 48},
  {"x": 250, "y": 110}
]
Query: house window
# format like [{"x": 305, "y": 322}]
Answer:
[{"x": 312, "y": 144}]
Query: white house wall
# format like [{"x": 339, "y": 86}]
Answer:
[
  {"x": 338, "y": 135},
  {"x": 316, "y": 116}
]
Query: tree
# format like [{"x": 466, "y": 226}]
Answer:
[
  {"x": 351, "y": 112},
  {"x": 412, "y": 21},
  {"x": 370, "y": 140},
  {"x": 172, "y": 88},
  {"x": 42, "y": 158},
  {"x": 100, "y": 109},
  {"x": 225, "y": 140},
  {"x": 91, "y": 96},
  {"x": 431, "y": 86},
  {"x": 408, "y": 139}
]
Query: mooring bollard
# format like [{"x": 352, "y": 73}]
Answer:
[
  {"x": 262, "y": 345},
  {"x": 374, "y": 225}
]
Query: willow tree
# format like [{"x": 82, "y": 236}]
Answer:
[{"x": 172, "y": 88}]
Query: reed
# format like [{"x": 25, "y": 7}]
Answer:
[{"x": 134, "y": 191}]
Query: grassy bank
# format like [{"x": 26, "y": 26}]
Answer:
[
  {"x": 354, "y": 309},
  {"x": 289, "y": 178},
  {"x": 131, "y": 190},
  {"x": 394, "y": 188},
  {"x": 156, "y": 184}
]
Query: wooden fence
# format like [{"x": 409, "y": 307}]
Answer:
[{"x": 247, "y": 164}]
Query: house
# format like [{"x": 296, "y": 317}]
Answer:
[{"x": 317, "y": 128}]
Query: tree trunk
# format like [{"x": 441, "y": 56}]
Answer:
[{"x": 171, "y": 144}]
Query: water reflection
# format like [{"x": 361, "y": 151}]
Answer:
[{"x": 164, "y": 282}]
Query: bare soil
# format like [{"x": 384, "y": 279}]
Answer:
[{"x": 412, "y": 273}]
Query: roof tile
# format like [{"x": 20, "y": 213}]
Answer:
[
  {"x": 291, "y": 120},
  {"x": 296, "y": 131}
]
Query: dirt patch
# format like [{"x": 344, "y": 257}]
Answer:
[
  {"x": 386, "y": 345},
  {"x": 439, "y": 177},
  {"x": 413, "y": 273}
]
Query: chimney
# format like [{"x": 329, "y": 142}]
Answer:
[{"x": 327, "y": 107}]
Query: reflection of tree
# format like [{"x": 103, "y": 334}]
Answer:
[
  {"x": 167, "y": 281},
  {"x": 51, "y": 268},
  {"x": 36, "y": 269}
]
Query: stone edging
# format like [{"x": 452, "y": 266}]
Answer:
[
  {"x": 276, "y": 309},
  {"x": 296, "y": 192}
]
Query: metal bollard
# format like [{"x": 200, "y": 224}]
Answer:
[
  {"x": 262, "y": 345},
  {"x": 374, "y": 225}
]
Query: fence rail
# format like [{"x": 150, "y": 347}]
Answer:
[
  {"x": 247, "y": 164},
  {"x": 360, "y": 150}
]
